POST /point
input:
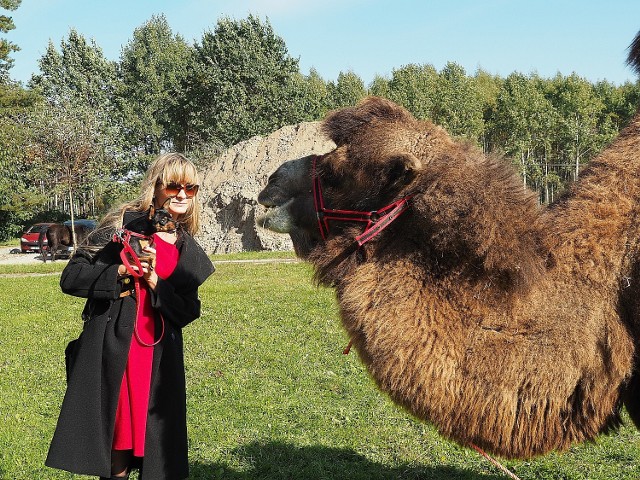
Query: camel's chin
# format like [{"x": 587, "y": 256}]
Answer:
[{"x": 277, "y": 219}]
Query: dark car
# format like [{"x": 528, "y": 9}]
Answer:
[
  {"x": 29, "y": 239},
  {"x": 85, "y": 222}
]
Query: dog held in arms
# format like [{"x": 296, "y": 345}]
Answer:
[
  {"x": 127, "y": 245},
  {"x": 138, "y": 234}
]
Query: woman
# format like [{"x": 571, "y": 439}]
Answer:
[{"x": 125, "y": 404}]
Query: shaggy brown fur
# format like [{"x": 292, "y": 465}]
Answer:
[{"x": 506, "y": 325}]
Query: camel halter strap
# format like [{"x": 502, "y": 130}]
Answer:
[
  {"x": 376, "y": 220},
  {"x": 123, "y": 236},
  {"x": 495, "y": 462}
]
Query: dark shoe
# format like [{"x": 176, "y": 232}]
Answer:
[{"x": 115, "y": 478}]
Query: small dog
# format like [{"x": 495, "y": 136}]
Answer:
[{"x": 139, "y": 232}]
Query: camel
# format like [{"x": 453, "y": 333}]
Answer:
[{"x": 509, "y": 326}]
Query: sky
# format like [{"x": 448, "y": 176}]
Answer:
[{"x": 367, "y": 37}]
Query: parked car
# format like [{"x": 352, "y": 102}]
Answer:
[{"x": 29, "y": 238}]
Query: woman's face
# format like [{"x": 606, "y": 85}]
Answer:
[{"x": 181, "y": 196}]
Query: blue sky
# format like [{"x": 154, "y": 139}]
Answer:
[{"x": 368, "y": 37}]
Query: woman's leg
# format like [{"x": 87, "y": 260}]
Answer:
[{"x": 120, "y": 463}]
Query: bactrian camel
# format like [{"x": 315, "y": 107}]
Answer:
[{"x": 508, "y": 325}]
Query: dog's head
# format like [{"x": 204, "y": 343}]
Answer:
[{"x": 161, "y": 220}]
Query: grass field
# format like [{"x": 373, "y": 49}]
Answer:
[{"x": 270, "y": 395}]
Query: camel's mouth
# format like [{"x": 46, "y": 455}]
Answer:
[{"x": 276, "y": 218}]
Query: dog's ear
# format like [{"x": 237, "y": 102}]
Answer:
[
  {"x": 166, "y": 202},
  {"x": 151, "y": 212}
]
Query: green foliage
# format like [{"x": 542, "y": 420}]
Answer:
[
  {"x": 459, "y": 105},
  {"x": 238, "y": 81},
  {"x": 309, "y": 97},
  {"x": 154, "y": 67},
  {"x": 414, "y": 87},
  {"x": 69, "y": 151},
  {"x": 242, "y": 82},
  {"x": 269, "y": 393},
  {"x": 348, "y": 90},
  {"x": 75, "y": 139},
  {"x": 7, "y": 47},
  {"x": 77, "y": 75},
  {"x": 579, "y": 110},
  {"x": 19, "y": 200}
]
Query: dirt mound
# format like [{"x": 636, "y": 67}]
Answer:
[{"x": 231, "y": 183}]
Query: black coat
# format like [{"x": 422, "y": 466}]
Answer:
[{"x": 84, "y": 434}]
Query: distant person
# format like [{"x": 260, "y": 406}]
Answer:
[{"x": 125, "y": 405}]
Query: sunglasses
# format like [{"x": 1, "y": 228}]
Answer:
[{"x": 173, "y": 188}]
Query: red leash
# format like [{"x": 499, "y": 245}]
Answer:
[{"x": 123, "y": 236}]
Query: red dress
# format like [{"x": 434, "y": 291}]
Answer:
[{"x": 133, "y": 403}]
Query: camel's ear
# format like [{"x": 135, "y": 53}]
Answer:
[{"x": 402, "y": 168}]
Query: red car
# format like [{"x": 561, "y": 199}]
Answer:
[{"x": 29, "y": 239}]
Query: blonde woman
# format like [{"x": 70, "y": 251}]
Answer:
[{"x": 125, "y": 405}]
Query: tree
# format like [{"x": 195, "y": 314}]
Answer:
[
  {"x": 520, "y": 126},
  {"x": 380, "y": 87},
  {"x": 78, "y": 84},
  {"x": 69, "y": 151},
  {"x": 153, "y": 70},
  {"x": 620, "y": 103},
  {"x": 7, "y": 47},
  {"x": 579, "y": 137},
  {"x": 77, "y": 75},
  {"x": 348, "y": 90},
  {"x": 414, "y": 87},
  {"x": 488, "y": 88},
  {"x": 309, "y": 97},
  {"x": 459, "y": 106},
  {"x": 242, "y": 82},
  {"x": 18, "y": 201}
]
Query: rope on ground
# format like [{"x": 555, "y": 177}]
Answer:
[{"x": 497, "y": 464}]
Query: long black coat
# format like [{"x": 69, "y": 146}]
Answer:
[{"x": 84, "y": 434}]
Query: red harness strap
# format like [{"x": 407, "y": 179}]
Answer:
[
  {"x": 123, "y": 236},
  {"x": 376, "y": 220}
]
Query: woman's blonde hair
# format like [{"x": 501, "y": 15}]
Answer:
[{"x": 166, "y": 168}]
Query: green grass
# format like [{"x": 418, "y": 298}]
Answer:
[{"x": 270, "y": 395}]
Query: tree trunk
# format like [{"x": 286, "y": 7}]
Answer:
[{"x": 73, "y": 225}]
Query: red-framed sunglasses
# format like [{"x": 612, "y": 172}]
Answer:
[{"x": 173, "y": 188}]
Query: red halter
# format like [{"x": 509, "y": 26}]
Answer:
[{"x": 376, "y": 220}]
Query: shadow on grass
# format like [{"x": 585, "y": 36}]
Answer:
[{"x": 280, "y": 461}]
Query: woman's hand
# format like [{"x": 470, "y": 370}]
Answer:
[{"x": 148, "y": 267}]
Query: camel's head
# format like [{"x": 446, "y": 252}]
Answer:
[
  {"x": 465, "y": 211},
  {"x": 372, "y": 166}
]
